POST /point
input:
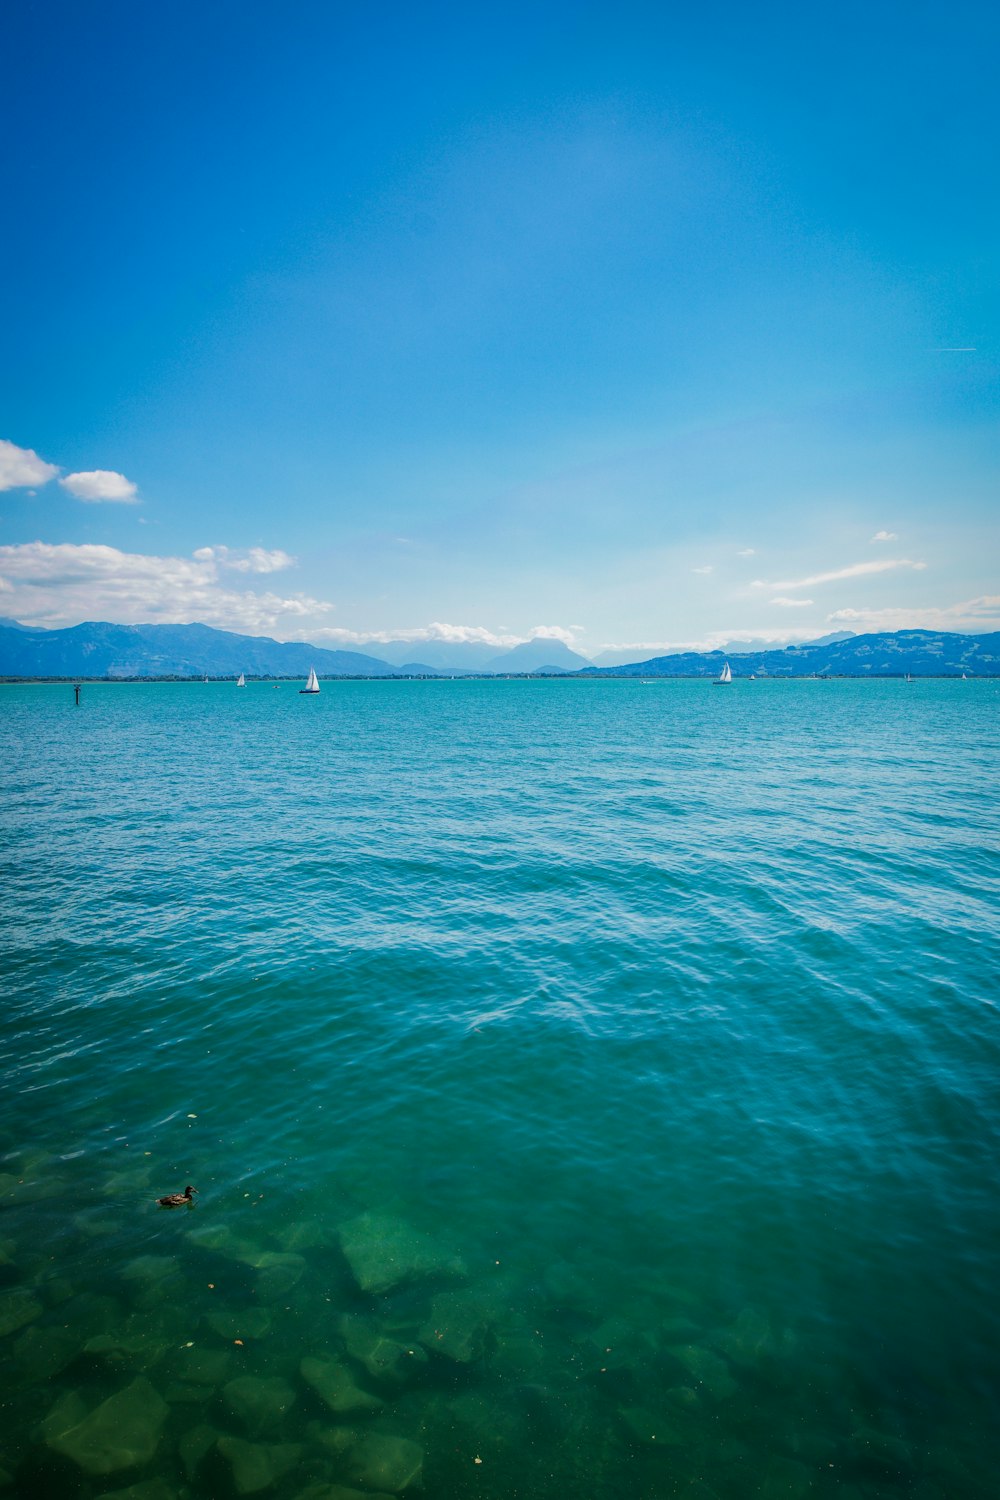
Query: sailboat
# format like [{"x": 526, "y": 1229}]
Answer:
[
  {"x": 241, "y": 681},
  {"x": 312, "y": 686},
  {"x": 724, "y": 677}
]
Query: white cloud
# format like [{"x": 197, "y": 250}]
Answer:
[
  {"x": 97, "y": 485},
  {"x": 975, "y": 615},
  {"x": 255, "y": 560},
  {"x": 856, "y": 570},
  {"x": 64, "y": 584},
  {"x": 709, "y": 569},
  {"x": 747, "y": 552},
  {"x": 791, "y": 603},
  {"x": 452, "y": 635},
  {"x": 886, "y": 536},
  {"x": 553, "y": 633},
  {"x": 21, "y": 467}
]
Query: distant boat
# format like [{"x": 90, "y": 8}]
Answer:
[
  {"x": 724, "y": 677},
  {"x": 753, "y": 676},
  {"x": 312, "y": 686},
  {"x": 241, "y": 681},
  {"x": 964, "y": 678}
]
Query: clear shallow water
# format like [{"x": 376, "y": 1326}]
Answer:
[{"x": 594, "y": 1080}]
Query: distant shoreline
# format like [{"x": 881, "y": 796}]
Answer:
[{"x": 605, "y": 675}]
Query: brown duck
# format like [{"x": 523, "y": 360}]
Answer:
[{"x": 177, "y": 1200}]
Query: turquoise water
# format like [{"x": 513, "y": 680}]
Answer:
[{"x": 591, "y": 1090}]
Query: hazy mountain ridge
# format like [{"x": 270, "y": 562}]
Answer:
[
  {"x": 890, "y": 653},
  {"x": 102, "y": 649}
]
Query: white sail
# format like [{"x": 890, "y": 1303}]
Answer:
[
  {"x": 312, "y": 686},
  {"x": 726, "y": 674},
  {"x": 241, "y": 681}
]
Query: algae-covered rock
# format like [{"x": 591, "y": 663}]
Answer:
[
  {"x": 260, "y": 1403},
  {"x": 120, "y": 1433},
  {"x": 381, "y": 1462},
  {"x": 17, "y": 1307},
  {"x": 384, "y": 1358},
  {"x": 246, "y": 1323},
  {"x": 708, "y": 1370},
  {"x": 457, "y": 1326},
  {"x": 256, "y": 1466},
  {"x": 334, "y": 1384},
  {"x": 384, "y": 1252}
]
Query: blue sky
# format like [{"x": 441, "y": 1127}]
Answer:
[{"x": 628, "y": 323}]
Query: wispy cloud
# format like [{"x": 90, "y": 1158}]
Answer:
[
  {"x": 885, "y": 536},
  {"x": 791, "y": 603},
  {"x": 21, "y": 468},
  {"x": 747, "y": 552},
  {"x": 709, "y": 569},
  {"x": 63, "y": 584},
  {"x": 856, "y": 570},
  {"x": 981, "y": 614},
  {"x": 957, "y": 349},
  {"x": 98, "y": 485}
]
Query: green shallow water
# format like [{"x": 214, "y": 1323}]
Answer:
[{"x": 590, "y": 1089}]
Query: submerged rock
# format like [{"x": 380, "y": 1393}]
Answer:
[
  {"x": 260, "y": 1403},
  {"x": 119, "y": 1434},
  {"x": 334, "y": 1384},
  {"x": 195, "y": 1446},
  {"x": 146, "y": 1268},
  {"x": 250, "y": 1323},
  {"x": 381, "y": 1462},
  {"x": 209, "y": 1367},
  {"x": 147, "y": 1489},
  {"x": 785, "y": 1479},
  {"x": 309, "y": 1234},
  {"x": 384, "y": 1252},
  {"x": 17, "y": 1307},
  {"x": 457, "y": 1326},
  {"x": 708, "y": 1370},
  {"x": 256, "y": 1466},
  {"x": 43, "y": 1352},
  {"x": 667, "y": 1429},
  {"x": 277, "y": 1273},
  {"x": 126, "y": 1348},
  {"x": 323, "y": 1491},
  {"x": 384, "y": 1358}
]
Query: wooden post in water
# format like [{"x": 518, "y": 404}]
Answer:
[{"x": 76, "y": 693}]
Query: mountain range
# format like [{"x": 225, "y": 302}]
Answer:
[{"x": 101, "y": 649}]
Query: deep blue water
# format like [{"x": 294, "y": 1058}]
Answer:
[{"x": 591, "y": 1089}]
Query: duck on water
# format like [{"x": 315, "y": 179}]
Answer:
[{"x": 178, "y": 1200}]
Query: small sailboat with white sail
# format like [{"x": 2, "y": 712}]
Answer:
[
  {"x": 312, "y": 685},
  {"x": 725, "y": 676},
  {"x": 241, "y": 681}
]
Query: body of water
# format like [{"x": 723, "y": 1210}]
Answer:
[{"x": 590, "y": 1089}]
